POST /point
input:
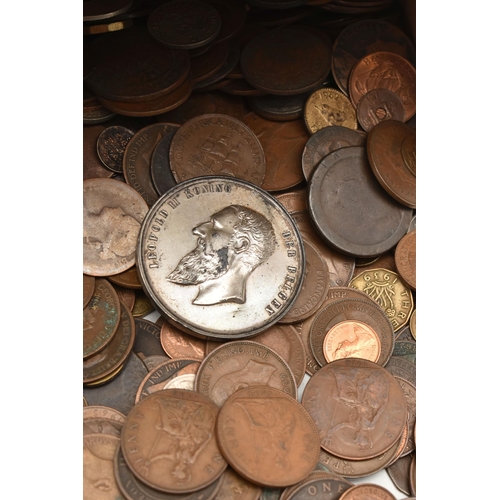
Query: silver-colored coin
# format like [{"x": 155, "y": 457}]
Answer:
[{"x": 237, "y": 264}]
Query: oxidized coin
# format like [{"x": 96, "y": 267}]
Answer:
[
  {"x": 368, "y": 492},
  {"x": 142, "y": 306},
  {"x": 358, "y": 407},
  {"x": 242, "y": 364},
  {"x": 88, "y": 288},
  {"x": 399, "y": 472},
  {"x": 413, "y": 324},
  {"x": 112, "y": 216},
  {"x": 351, "y": 339},
  {"x": 402, "y": 368},
  {"x": 161, "y": 174},
  {"x": 384, "y": 146},
  {"x": 100, "y": 318},
  {"x": 405, "y": 257},
  {"x": 407, "y": 350},
  {"x": 390, "y": 293},
  {"x": 267, "y": 437},
  {"x": 178, "y": 344},
  {"x": 111, "y": 145},
  {"x": 92, "y": 165},
  {"x": 378, "y": 105},
  {"x": 235, "y": 487},
  {"x": 217, "y": 145},
  {"x": 168, "y": 441},
  {"x": 349, "y": 207},
  {"x": 328, "y": 107},
  {"x": 238, "y": 262},
  {"x": 147, "y": 338}
]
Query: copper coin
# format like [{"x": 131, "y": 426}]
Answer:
[
  {"x": 413, "y": 475},
  {"x": 399, "y": 472},
  {"x": 101, "y": 318},
  {"x": 104, "y": 413},
  {"x": 367, "y": 491},
  {"x": 126, "y": 296},
  {"x": 112, "y": 215},
  {"x": 205, "y": 66},
  {"x": 407, "y": 350},
  {"x": 413, "y": 324},
  {"x": 384, "y": 70},
  {"x": 390, "y": 293},
  {"x": 161, "y": 174},
  {"x": 147, "y": 339},
  {"x": 293, "y": 201},
  {"x": 92, "y": 165},
  {"x": 384, "y": 147},
  {"x": 233, "y": 15},
  {"x": 338, "y": 311},
  {"x": 371, "y": 221},
  {"x": 285, "y": 61},
  {"x": 410, "y": 393},
  {"x": 107, "y": 378},
  {"x": 217, "y": 145},
  {"x": 219, "y": 76},
  {"x": 88, "y": 288},
  {"x": 283, "y": 144},
  {"x": 328, "y": 107},
  {"x": 102, "y": 426},
  {"x": 365, "y": 413},
  {"x": 267, "y": 437},
  {"x": 168, "y": 441},
  {"x": 236, "y": 487},
  {"x": 178, "y": 344},
  {"x": 378, "y": 105},
  {"x": 327, "y": 488},
  {"x": 115, "y": 353},
  {"x": 212, "y": 290},
  {"x": 405, "y": 257},
  {"x": 279, "y": 107},
  {"x": 239, "y": 364},
  {"x": 184, "y": 24},
  {"x": 402, "y": 368},
  {"x": 127, "y": 279},
  {"x": 111, "y": 145},
  {"x": 326, "y": 140}
]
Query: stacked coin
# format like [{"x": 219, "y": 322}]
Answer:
[{"x": 249, "y": 250}]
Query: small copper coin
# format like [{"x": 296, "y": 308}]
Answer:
[
  {"x": 405, "y": 257},
  {"x": 367, "y": 491},
  {"x": 367, "y": 220},
  {"x": 101, "y": 318},
  {"x": 112, "y": 215},
  {"x": 365, "y": 412},
  {"x": 267, "y": 437},
  {"x": 239, "y": 364},
  {"x": 127, "y": 279},
  {"x": 178, "y": 344},
  {"x": 378, "y": 105},
  {"x": 111, "y": 145},
  {"x": 217, "y": 145},
  {"x": 236, "y": 487},
  {"x": 168, "y": 441},
  {"x": 88, "y": 288}
]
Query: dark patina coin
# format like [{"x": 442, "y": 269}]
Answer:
[
  {"x": 161, "y": 174},
  {"x": 379, "y": 105},
  {"x": 147, "y": 338},
  {"x": 279, "y": 108},
  {"x": 111, "y": 145}
]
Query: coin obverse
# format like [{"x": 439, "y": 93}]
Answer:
[{"x": 238, "y": 262}]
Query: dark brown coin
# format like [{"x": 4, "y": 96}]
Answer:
[
  {"x": 378, "y": 105},
  {"x": 205, "y": 66},
  {"x": 178, "y": 344},
  {"x": 142, "y": 306},
  {"x": 267, "y": 437},
  {"x": 92, "y": 165},
  {"x": 137, "y": 159},
  {"x": 279, "y": 108},
  {"x": 101, "y": 317},
  {"x": 402, "y": 368},
  {"x": 242, "y": 88},
  {"x": 184, "y": 24},
  {"x": 111, "y": 145},
  {"x": 410, "y": 393},
  {"x": 220, "y": 76},
  {"x": 384, "y": 146},
  {"x": 413, "y": 475},
  {"x": 405, "y": 257},
  {"x": 161, "y": 174},
  {"x": 98, "y": 115},
  {"x": 285, "y": 61},
  {"x": 127, "y": 279},
  {"x": 126, "y": 296},
  {"x": 239, "y": 364},
  {"x": 88, "y": 288},
  {"x": 407, "y": 350},
  {"x": 95, "y": 10},
  {"x": 168, "y": 441},
  {"x": 147, "y": 338},
  {"x": 365, "y": 413},
  {"x": 369, "y": 221},
  {"x": 115, "y": 353},
  {"x": 236, "y": 487},
  {"x": 217, "y": 144},
  {"x": 399, "y": 472}
]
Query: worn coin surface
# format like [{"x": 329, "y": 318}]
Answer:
[
  {"x": 127, "y": 279},
  {"x": 378, "y": 105},
  {"x": 267, "y": 436},
  {"x": 399, "y": 472},
  {"x": 111, "y": 145},
  {"x": 326, "y": 488},
  {"x": 161, "y": 174},
  {"x": 238, "y": 262},
  {"x": 112, "y": 216},
  {"x": 410, "y": 393},
  {"x": 405, "y": 257},
  {"x": 235, "y": 487},
  {"x": 88, "y": 288},
  {"x": 178, "y": 344},
  {"x": 368, "y": 491}
]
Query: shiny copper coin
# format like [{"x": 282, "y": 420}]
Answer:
[
  {"x": 328, "y": 107},
  {"x": 168, "y": 441},
  {"x": 405, "y": 257},
  {"x": 367, "y": 491},
  {"x": 127, "y": 279},
  {"x": 101, "y": 318},
  {"x": 242, "y": 364},
  {"x": 413, "y": 324},
  {"x": 111, "y": 145},
  {"x": 349, "y": 207},
  {"x": 384, "y": 147},
  {"x": 112, "y": 215},
  {"x": 285, "y": 61},
  {"x": 384, "y": 70},
  {"x": 178, "y": 344},
  {"x": 378, "y": 105},
  {"x": 115, "y": 353},
  {"x": 88, "y": 288},
  {"x": 365, "y": 413},
  {"x": 217, "y": 145},
  {"x": 235, "y": 487},
  {"x": 399, "y": 472},
  {"x": 161, "y": 174},
  {"x": 267, "y": 437}
]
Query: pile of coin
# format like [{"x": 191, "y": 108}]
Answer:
[{"x": 249, "y": 263}]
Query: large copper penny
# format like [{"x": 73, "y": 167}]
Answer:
[
  {"x": 368, "y": 492},
  {"x": 267, "y": 437},
  {"x": 168, "y": 441},
  {"x": 243, "y": 364},
  {"x": 405, "y": 257},
  {"x": 217, "y": 145},
  {"x": 349, "y": 207},
  {"x": 364, "y": 413},
  {"x": 112, "y": 215},
  {"x": 237, "y": 264}
]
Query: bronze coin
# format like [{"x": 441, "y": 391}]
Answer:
[
  {"x": 399, "y": 472},
  {"x": 405, "y": 257},
  {"x": 283, "y": 144},
  {"x": 279, "y": 107},
  {"x": 101, "y": 318},
  {"x": 161, "y": 174},
  {"x": 267, "y": 437},
  {"x": 366, "y": 412},
  {"x": 327, "y": 488},
  {"x": 285, "y": 61},
  {"x": 111, "y": 145},
  {"x": 236, "y": 487},
  {"x": 112, "y": 215},
  {"x": 221, "y": 75},
  {"x": 127, "y": 279},
  {"x": 205, "y": 66},
  {"x": 239, "y": 364},
  {"x": 147, "y": 338},
  {"x": 168, "y": 441},
  {"x": 92, "y": 165},
  {"x": 178, "y": 344},
  {"x": 371, "y": 221},
  {"x": 88, "y": 288},
  {"x": 184, "y": 24},
  {"x": 232, "y": 14},
  {"x": 378, "y": 105},
  {"x": 384, "y": 70},
  {"x": 366, "y": 491},
  {"x": 384, "y": 147},
  {"x": 217, "y": 145},
  {"x": 103, "y": 412},
  {"x": 413, "y": 475},
  {"x": 293, "y": 201},
  {"x": 126, "y": 296}
]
